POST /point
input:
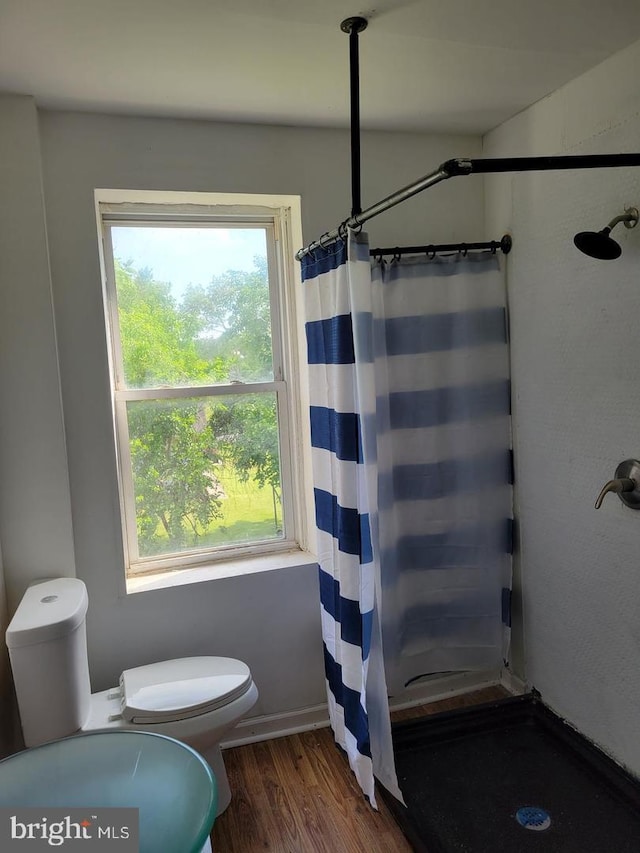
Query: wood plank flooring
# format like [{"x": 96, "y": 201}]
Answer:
[{"x": 297, "y": 795}]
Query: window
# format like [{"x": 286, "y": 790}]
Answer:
[{"x": 202, "y": 337}]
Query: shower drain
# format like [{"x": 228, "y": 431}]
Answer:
[{"x": 531, "y": 817}]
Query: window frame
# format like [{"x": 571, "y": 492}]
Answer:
[{"x": 279, "y": 216}]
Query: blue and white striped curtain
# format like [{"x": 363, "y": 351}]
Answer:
[
  {"x": 356, "y": 689},
  {"x": 440, "y": 446},
  {"x": 410, "y": 417}
]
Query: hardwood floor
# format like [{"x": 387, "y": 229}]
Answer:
[{"x": 297, "y": 795}]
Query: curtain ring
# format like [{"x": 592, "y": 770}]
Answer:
[
  {"x": 396, "y": 254},
  {"x": 463, "y": 249},
  {"x": 322, "y": 245},
  {"x": 358, "y": 226},
  {"x": 431, "y": 252},
  {"x": 343, "y": 231},
  {"x": 494, "y": 246}
]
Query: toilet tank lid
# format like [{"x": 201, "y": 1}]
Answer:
[{"x": 48, "y": 610}]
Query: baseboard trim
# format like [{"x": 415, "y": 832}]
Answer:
[
  {"x": 431, "y": 689},
  {"x": 270, "y": 726}
]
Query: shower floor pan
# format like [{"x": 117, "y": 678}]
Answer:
[{"x": 510, "y": 776}]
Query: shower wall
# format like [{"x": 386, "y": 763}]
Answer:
[{"x": 576, "y": 405}]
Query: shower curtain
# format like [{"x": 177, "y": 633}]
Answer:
[
  {"x": 440, "y": 447},
  {"x": 348, "y": 568},
  {"x": 408, "y": 368}
]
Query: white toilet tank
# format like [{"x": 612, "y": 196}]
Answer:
[{"x": 47, "y": 642}]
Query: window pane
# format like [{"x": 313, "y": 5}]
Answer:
[
  {"x": 206, "y": 472},
  {"x": 193, "y": 305}
]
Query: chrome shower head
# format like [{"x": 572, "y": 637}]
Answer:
[{"x": 598, "y": 244}]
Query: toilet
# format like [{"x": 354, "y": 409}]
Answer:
[{"x": 196, "y": 700}]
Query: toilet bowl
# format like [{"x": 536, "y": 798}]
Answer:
[{"x": 196, "y": 700}]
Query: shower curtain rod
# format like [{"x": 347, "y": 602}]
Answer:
[
  {"x": 503, "y": 245},
  {"x": 449, "y": 169},
  {"x": 463, "y": 166}
]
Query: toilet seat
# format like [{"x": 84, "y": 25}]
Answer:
[{"x": 178, "y": 689}]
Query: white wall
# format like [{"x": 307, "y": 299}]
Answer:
[
  {"x": 574, "y": 333},
  {"x": 270, "y": 620},
  {"x": 35, "y": 513},
  {"x": 35, "y": 509}
]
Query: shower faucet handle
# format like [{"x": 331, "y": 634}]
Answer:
[{"x": 626, "y": 484}]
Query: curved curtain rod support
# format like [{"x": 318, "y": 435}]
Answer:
[{"x": 452, "y": 168}]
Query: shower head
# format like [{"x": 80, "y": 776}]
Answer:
[{"x": 598, "y": 244}]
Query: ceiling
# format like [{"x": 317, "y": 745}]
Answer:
[{"x": 426, "y": 65}]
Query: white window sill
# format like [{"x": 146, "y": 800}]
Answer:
[{"x": 215, "y": 571}]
